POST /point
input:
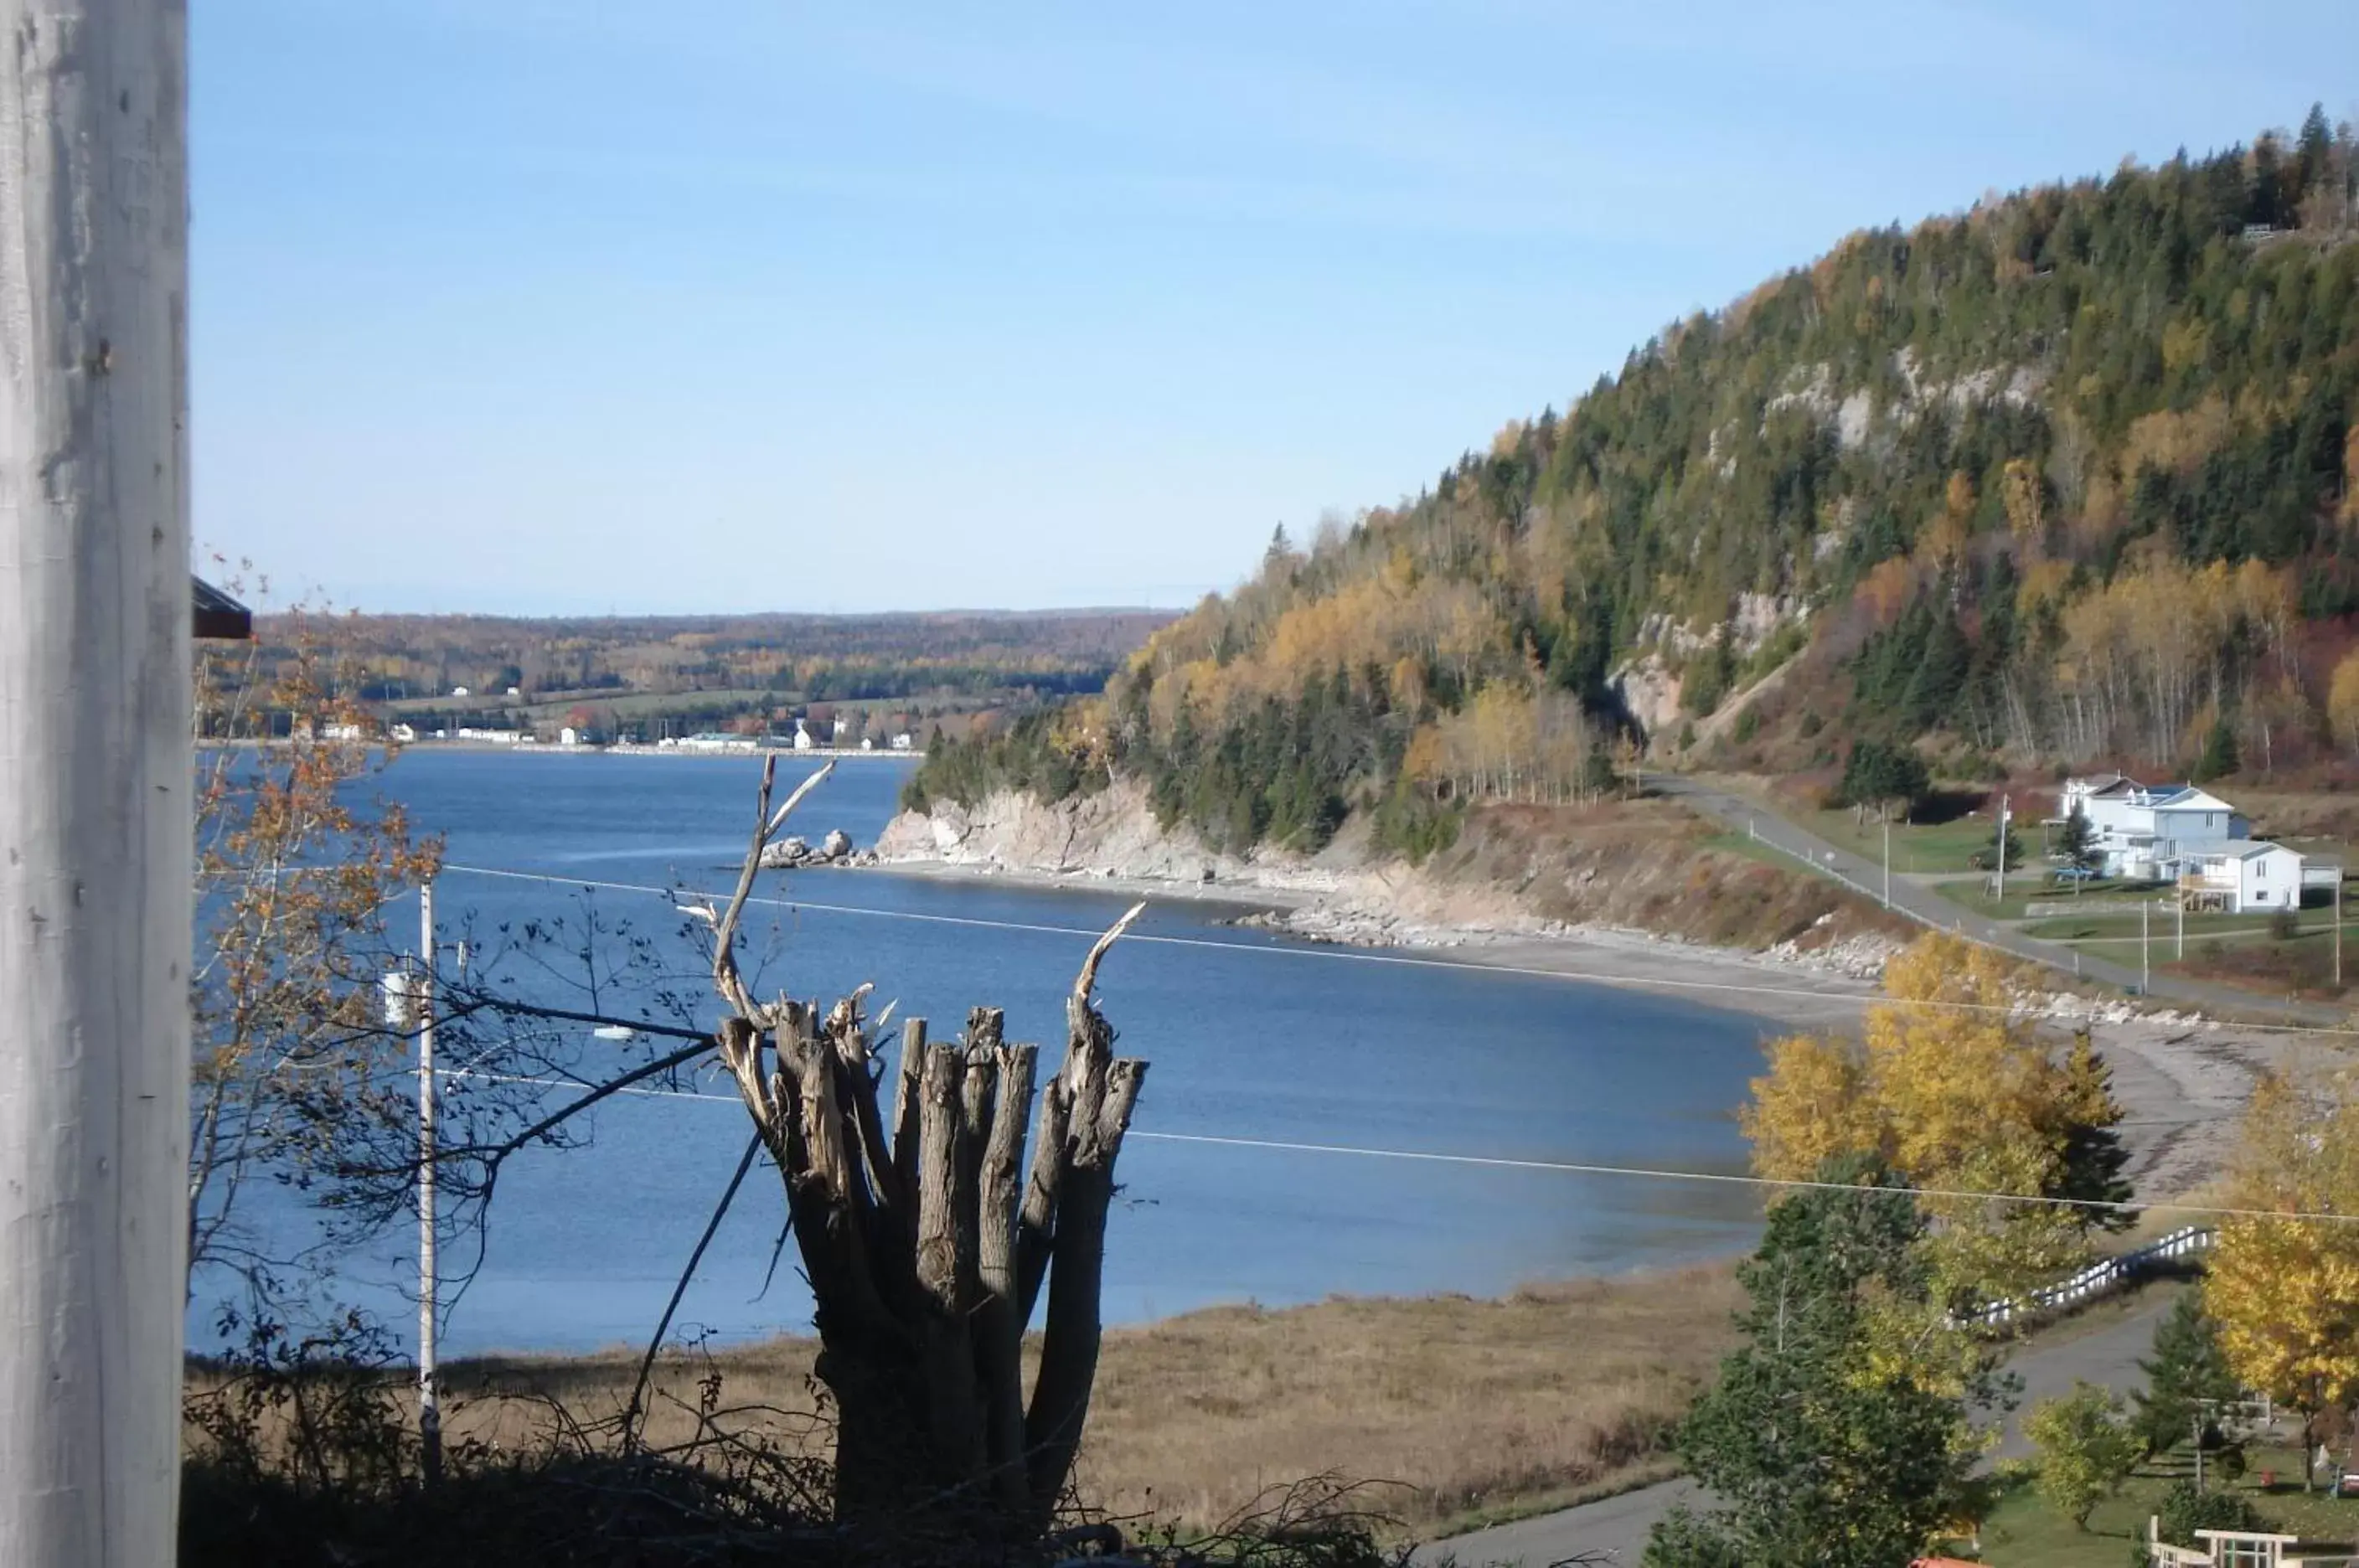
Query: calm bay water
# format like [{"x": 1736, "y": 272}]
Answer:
[{"x": 1250, "y": 1037}]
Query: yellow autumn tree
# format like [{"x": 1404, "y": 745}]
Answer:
[
  {"x": 2284, "y": 1292},
  {"x": 2342, "y": 700},
  {"x": 1953, "y": 1087}
]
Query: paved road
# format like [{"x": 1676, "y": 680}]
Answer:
[
  {"x": 1616, "y": 1530},
  {"x": 1918, "y": 899}
]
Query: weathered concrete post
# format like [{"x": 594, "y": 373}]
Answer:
[{"x": 95, "y": 778}]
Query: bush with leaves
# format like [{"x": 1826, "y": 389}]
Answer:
[
  {"x": 2086, "y": 1449},
  {"x": 2184, "y": 1511}
]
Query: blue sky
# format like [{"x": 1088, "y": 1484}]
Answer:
[{"x": 551, "y": 306}]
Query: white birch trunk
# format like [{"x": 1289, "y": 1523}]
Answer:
[{"x": 95, "y": 780}]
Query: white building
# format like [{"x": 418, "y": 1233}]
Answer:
[
  {"x": 903, "y": 742},
  {"x": 566, "y": 735},
  {"x": 803, "y": 741},
  {"x": 715, "y": 740},
  {"x": 2151, "y": 831},
  {"x": 2241, "y": 875}
]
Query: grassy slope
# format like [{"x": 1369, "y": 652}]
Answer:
[
  {"x": 1470, "y": 1406},
  {"x": 1651, "y": 865}
]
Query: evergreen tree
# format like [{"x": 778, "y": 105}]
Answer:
[
  {"x": 2095, "y": 1155},
  {"x": 2077, "y": 843},
  {"x": 2219, "y": 758},
  {"x": 1815, "y": 1460},
  {"x": 2188, "y": 1366},
  {"x": 1988, "y": 858}
]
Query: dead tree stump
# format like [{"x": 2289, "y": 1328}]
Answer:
[{"x": 928, "y": 1250}]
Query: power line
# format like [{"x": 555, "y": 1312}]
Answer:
[
  {"x": 1340, "y": 955},
  {"x": 1564, "y": 1167}
]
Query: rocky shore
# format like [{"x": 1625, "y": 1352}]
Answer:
[{"x": 2182, "y": 1078}]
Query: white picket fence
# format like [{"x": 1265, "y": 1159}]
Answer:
[{"x": 2099, "y": 1278}]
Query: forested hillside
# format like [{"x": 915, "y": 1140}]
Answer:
[{"x": 2065, "y": 477}]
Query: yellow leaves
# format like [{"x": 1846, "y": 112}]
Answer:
[
  {"x": 1812, "y": 1104},
  {"x": 1885, "y": 591},
  {"x": 2286, "y": 1292},
  {"x": 1958, "y": 1096},
  {"x": 2342, "y": 699},
  {"x": 2043, "y": 584},
  {"x": 1508, "y": 741},
  {"x": 2175, "y": 442},
  {"x": 2349, "y": 510},
  {"x": 2185, "y": 343},
  {"x": 2025, "y": 495}
]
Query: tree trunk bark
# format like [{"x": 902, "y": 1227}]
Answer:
[{"x": 998, "y": 1325}]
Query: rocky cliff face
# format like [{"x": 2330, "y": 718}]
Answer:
[
  {"x": 1645, "y": 866},
  {"x": 1112, "y": 832}
]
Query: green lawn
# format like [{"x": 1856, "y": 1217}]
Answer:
[
  {"x": 1946, "y": 846},
  {"x": 2163, "y": 925},
  {"x": 2023, "y": 1531},
  {"x": 1974, "y": 892},
  {"x": 1753, "y": 849}
]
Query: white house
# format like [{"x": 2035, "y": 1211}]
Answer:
[
  {"x": 2241, "y": 875},
  {"x": 2150, "y": 831},
  {"x": 567, "y": 735},
  {"x": 903, "y": 741},
  {"x": 803, "y": 741}
]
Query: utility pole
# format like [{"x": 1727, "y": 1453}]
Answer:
[
  {"x": 2338, "y": 928},
  {"x": 96, "y": 780},
  {"x": 2145, "y": 965},
  {"x": 1998, "y": 890},
  {"x": 1887, "y": 863},
  {"x": 2179, "y": 950},
  {"x": 430, "y": 1405}
]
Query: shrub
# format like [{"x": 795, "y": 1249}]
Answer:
[
  {"x": 2085, "y": 1451},
  {"x": 2284, "y": 925},
  {"x": 2185, "y": 1511}
]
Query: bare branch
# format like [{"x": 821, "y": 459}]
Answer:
[{"x": 1087, "y": 980}]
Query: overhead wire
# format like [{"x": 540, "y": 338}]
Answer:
[
  {"x": 1339, "y": 955},
  {"x": 1564, "y": 1167}
]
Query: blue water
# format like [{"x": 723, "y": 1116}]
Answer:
[{"x": 1249, "y": 1037}]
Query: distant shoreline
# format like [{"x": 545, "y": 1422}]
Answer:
[{"x": 550, "y": 748}]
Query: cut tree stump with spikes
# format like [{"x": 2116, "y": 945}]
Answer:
[{"x": 928, "y": 1251}]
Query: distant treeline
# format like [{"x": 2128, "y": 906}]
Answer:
[{"x": 651, "y": 674}]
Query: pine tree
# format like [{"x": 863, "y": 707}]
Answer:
[
  {"x": 2188, "y": 1366},
  {"x": 2094, "y": 1154},
  {"x": 2077, "y": 843},
  {"x": 2220, "y": 759}
]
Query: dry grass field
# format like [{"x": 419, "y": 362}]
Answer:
[{"x": 1470, "y": 1408}]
